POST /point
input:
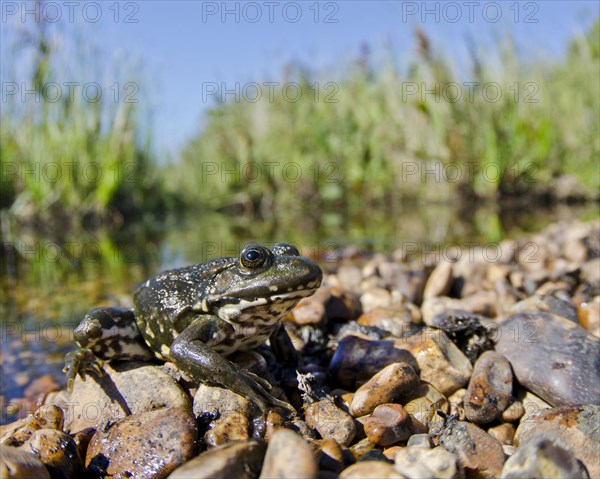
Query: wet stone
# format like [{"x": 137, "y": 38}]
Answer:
[
  {"x": 357, "y": 360},
  {"x": 577, "y": 426},
  {"x": 419, "y": 462},
  {"x": 553, "y": 357},
  {"x": 331, "y": 422},
  {"x": 240, "y": 460},
  {"x": 490, "y": 388},
  {"x": 394, "y": 383},
  {"x": 146, "y": 445},
  {"x": 18, "y": 464},
  {"x": 289, "y": 456},
  {"x": 57, "y": 451},
  {"x": 543, "y": 457},
  {"x": 388, "y": 425}
]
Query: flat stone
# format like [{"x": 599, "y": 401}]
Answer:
[
  {"x": 124, "y": 389},
  {"x": 18, "y": 464},
  {"x": 439, "y": 361},
  {"x": 357, "y": 359},
  {"x": 147, "y": 445},
  {"x": 577, "y": 426},
  {"x": 289, "y": 456},
  {"x": 396, "y": 382},
  {"x": 490, "y": 388},
  {"x": 553, "y": 357},
  {"x": 370, "y": 470},
  {"x": 331, "y": 422},
  {"x": 240, "y": 460},
  {"x": 476, "y": 450},
  {"x": 388, "y": 425},
  {"x": 543, "y": 457},
  {"x": 418, "y": 462}
]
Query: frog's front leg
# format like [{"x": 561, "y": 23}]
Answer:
[
  {"x": 192, "y": 351},
  {"x": 105, "y": 334}
]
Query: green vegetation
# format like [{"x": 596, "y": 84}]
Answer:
[
  {"x": 375, "y": 133},
  {"x": 395, "y": 134}
]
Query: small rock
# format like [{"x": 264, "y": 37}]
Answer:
[
  {"x": 139, "y": 387},
  {"x": 514, "y": 412},
  {"x": 309, "y": 311},
  {"x": 476, "y": 450},
  {"x": 546, "y": 303},
  {"x": 505, "y": 433},
  {"x": 440, "y": 281},
  {"x": 394, "y": 383},
  {"x": 375, "y": 298},
  {"x": 332, "y": 457},
  {"x": 409, "y": 283},
  {"x": 575, "y": 425},
  {"x": 440, "y": 362},
  {"x": 242, "y": 460},
  {"x": 370, "y": 470},
  {"x": 331, "y": 421},
  {"x": 543, "y": 457},
  {"x": 356, "y": 360},
  {"x": 419, "y": 440},
  {"x": 490, "y": 388},
  {"x": 399, "y": 321},
  {"x": 289, "y": 456},
  {"x": 361, "y": 447},
  {"x": 419, "y": 462},
  {"x": 57, "y": 451},
  {"x": 145, "y": 445},
  {"x": 421, "y": 411},
  {"x": 553, "y": 357},
  {"x": 388, "y": 425},
  {"x": 18, "y": 464},
  {"x": 589, "y": 315}
]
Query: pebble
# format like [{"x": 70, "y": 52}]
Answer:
[
  {"x": 289, "y": 456},
  {"x": 57, "y": 451},
  {"x": 548, "y": 304},
  {"x": 440, "y": 280},
  {"x": 357, "y": 359},
  {"x": 543, "y": 457},
  {"x": 490, "y": 388},
  {"x": 309, "y": 311},
  {"x": 394, "y": 383},
  {"x": 375, "y": 298},
  {"x": 514, "y": 412},
  {"x": 399, "y": 321},
  {"x": 136, "y": 387},
  {"x": 388, "y": 424},
  {"x": 18, "y": 464},
  {"x": 331, "y": 422},
  {"x": 552, "y": 357},
  {"x": 419, "y": 440},
  {"x": 440, "y": 362},
  {"x": 361, "y": 447},
  {"x": 505, "y": 433},
  {"x": 476, "y": 450},
  {"x": 418, "y": 462},
  {"x": 370, "y": 470},
  {"x": 332, "y": 457},
  {"x": 421, "y": 411},
  {"x": 147, "y": 445},
  {"x": 577, "y": 426},
  {"x": 240, "y": 460}
]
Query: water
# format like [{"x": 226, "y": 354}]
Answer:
[{"x": 47, "y": 287}]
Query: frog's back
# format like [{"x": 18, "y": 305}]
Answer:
[{"x": 165, "y": 304}]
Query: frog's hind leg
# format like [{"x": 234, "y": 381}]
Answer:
[{"x": 105, "y": 334}]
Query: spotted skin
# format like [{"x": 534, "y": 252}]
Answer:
[{"x": 198, "y": 315}]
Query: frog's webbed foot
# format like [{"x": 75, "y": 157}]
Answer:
[
  {"x": 81, "y": 362},
  {"x": 192, "y": 352}
]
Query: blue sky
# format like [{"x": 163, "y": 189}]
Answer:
[{"x": 184, "y": 45}]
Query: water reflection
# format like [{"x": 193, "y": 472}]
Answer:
[{"x": 47, "y": 287}]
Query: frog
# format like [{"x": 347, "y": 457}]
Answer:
[{"x": 199, "y": 315}]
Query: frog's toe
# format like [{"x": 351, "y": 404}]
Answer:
[
  {"x": 261, "y": 381},
  {"x": 81, "y": 362}
]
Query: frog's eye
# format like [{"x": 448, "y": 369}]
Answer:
[
  {"x": 254, "y": 257},
  {"x": 285, "y": 249}
]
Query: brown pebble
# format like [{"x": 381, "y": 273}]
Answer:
[
  {"x": 331, "y": 422},
  {"x": 388, "y": 425},
  {"x": 505, "y": 433},
  {"x": 394, "y": 383},
  {"x": 289, "y": 456}
]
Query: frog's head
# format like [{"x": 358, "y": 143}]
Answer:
[{"x": 262, "y": 284}]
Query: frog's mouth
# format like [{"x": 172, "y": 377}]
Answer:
[{"x": 268, "y": 308}]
